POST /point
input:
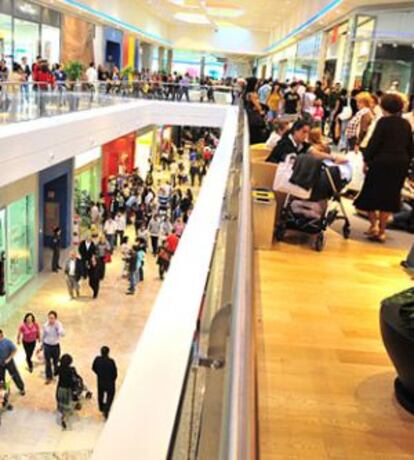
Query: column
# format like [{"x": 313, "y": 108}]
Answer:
[
  {"x": 349, "y": 52},
  {"x": 161, "y": 58},
  {"x": 170, "y": 56},
  {"x": 146, "y": 57},
  {"x": 202, "y": 67}
]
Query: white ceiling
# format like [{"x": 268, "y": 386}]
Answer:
[{"x": 255, "y": 15}]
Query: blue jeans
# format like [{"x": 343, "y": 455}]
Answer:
[{"x": 132, "y": 281}]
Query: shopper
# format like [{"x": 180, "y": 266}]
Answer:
[
  {"x": 121, "y": 223},
  {"x": 172, "y": 242},
  {"x": 7, "y": 353},
  {"x": 65, "y": 388},
  {"x": 359, "y": 124},
  {"x": 103, "y": 252},
  {"x": 154, "y": 228},
  {"x": 163, "y": 261},
  {"x": 292, "y": 105},
  {"x": 87, "y": 249},
  {"x": 29, "y": 334},
  {"x": 106, "y": 372},
  {"x": 73, "y": 273},
  {"x": 132, "y": 270},
  {"x": 387, "y": 160},
  {"x": 110, "y": 228},
  {"x": 95, "y": 272},
  {"x": 52, "y": 333},
  {"x": 56, "y": 242}
]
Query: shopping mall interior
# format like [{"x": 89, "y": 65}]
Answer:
[{"x": 206, "y": 230}]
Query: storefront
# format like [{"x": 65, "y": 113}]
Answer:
[
  {"x": 87, "y": 181},
  {"x": 18, "y": 243},
  {"x": 386, "y": 60},
  {"x": 55, "y": 205},
  {"x": 113, "y": 44},
  {"x": 283, "y": 63},
  {"x": 144, "y": 150},
  {"x": 28, "y": 30},
  {"x": 307, "y": 59},
  {"x": 335, "y": 53},
  {"x": 118, "y": 158}
]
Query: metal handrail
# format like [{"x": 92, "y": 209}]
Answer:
[{"x": 240, "y": 435}]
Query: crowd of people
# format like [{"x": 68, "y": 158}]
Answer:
[
  {"x": 373, "y": 131},
  {"x": 135, "y": 218},
  {"x": 109, "y": 79}
]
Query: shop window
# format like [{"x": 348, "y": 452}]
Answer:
[
  {"x": 362, "y": 50},
  {"x": 26, "y": 40},
  {"x": 20, "y": 237},
  {"x": 51, "y": 44},
  {"x": 6, "y": 38}
]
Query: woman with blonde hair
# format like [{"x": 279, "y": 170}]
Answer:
[{"x": 359, "y": 124}]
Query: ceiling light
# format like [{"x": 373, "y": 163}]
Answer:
[{"x": 194, "y": 18}]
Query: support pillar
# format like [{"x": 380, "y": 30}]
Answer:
[
  {"x": 161, "y": 59},
  {"x": 147, "y": 51},
  {"x": 170, "y": 56}
]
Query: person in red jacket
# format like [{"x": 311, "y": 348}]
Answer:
[
  {"x": 43, "y": 76},
  {"x": 171, "y": 242}
]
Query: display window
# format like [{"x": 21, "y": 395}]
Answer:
[
  {"x": 143, "y": 152},
  {"x": 51, "y": 43},
  {"x": 26, "y": 40},
  {"x": 20, "y": 243},
  {"x": 6, "y": 38}
]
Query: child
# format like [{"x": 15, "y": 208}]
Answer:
[{"x": 317, "y": 113}]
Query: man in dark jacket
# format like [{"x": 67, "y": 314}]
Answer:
[
  {"x": 106, "y": 372},
  {"x": 87, "y": 249},
  {"x": 56, "y": 241}
]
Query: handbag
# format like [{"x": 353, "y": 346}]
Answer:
[
  {"x": 282, "y": 182},
  {"x": 107, "y": 258},
  {"x": 346, "y": 113}
]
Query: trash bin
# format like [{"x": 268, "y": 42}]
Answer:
[{"x": 264, "y": 216}]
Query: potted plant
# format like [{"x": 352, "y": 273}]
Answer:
[
  {"x": 397, "y": 330},
  {"x": 127, "y": 72},
  {"x": 74, "y": 71}
]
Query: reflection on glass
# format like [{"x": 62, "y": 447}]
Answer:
[
  {"x": 51, "y": 44},
  {"x": 6, "y": 37},
  {"x": 20, "y": 236},
  {"x": 26, "y": 40}
]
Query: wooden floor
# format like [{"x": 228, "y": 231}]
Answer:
[{"x": 325, "y": 381}]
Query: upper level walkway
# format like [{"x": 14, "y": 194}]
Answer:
[{"x": 26, "y": 102}]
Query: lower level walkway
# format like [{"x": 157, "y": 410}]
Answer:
[
  {"x": 114, "y": 319},
  {"x": 325, "y": 381}
]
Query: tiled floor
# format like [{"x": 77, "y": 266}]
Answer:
[{"x": 114, "y": 319}]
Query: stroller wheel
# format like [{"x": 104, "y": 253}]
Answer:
[
  {"x": 346, "y": 232},
  {"x": 320, "y": 242},
  {"x": 280, "y": 233}
]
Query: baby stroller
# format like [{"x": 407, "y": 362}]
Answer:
[
  {"x": 314, "y": 215},
  {"x": 80, "y": 392}
]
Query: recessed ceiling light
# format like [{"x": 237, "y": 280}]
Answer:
[{"x": 194, "y": 18}]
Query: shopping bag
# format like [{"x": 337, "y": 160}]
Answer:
[
  {"x": 358, "y": 176},
  {"x": 282, "y": 182}
]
